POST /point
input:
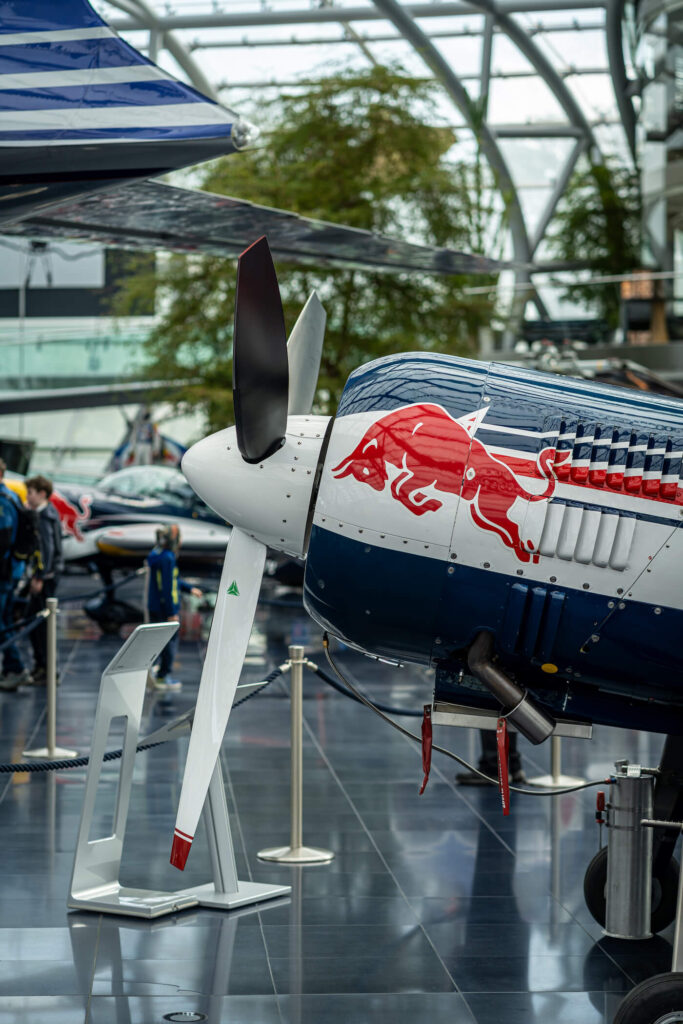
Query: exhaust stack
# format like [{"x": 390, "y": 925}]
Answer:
[{"x": 518, "y": 708}]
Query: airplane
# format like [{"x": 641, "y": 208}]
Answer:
[
  {"x": 113, "y": 522},
  {"x": 516, "y": 531}
]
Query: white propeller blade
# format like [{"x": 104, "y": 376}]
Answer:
[
  {"x": 230, "y": 630},
  {"x": 304, "y": 350}
]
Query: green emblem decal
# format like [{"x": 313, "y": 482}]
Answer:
[{"x": 233, "y": 589}]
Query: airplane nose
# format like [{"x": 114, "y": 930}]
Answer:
[
  {"x": 197, "y": 460},
  {"x": 269, "y": 500}
]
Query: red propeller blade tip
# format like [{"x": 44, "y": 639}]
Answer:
[{"x": 179, "y": 851}]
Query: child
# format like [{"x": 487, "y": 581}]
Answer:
[{"x": 163, "y": 599}]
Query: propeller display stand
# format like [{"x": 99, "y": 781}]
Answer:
[{"x": 95, "y": 881}]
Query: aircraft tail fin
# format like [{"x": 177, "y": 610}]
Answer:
[{"x": 66, "y": 77}]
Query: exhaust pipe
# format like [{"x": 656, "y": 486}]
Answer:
[{"x": 518, "y": 708}]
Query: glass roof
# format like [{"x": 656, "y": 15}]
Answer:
[{"x": 549, "y": 81}]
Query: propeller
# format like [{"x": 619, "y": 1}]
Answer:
[
  {"x": 260, "y": 370},
  {"x": 250, "y": 475}
]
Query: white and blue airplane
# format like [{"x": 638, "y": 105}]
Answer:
[
  {"x": 488, "y": 521},
  {"x": 518, "y": 532}
]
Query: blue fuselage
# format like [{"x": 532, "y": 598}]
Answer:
[{"x": 459, "y": 496}]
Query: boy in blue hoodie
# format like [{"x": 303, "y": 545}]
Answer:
[{"x": 163, "y": 598}]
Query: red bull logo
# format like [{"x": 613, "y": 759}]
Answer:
[
  {"x": 434, "y": 452},
  {"x": 72, "y": 515}
]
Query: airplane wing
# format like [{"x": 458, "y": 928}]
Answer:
[
  {"x": 95, "y": 395},
  {"x": 152, "y": 215},
  {"x": 201, "y": 542}
]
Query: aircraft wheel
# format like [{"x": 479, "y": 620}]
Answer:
[
  {"x": 664, "y": 891},
  {"x": 657, "y": 1000}
]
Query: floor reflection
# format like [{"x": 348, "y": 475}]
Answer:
[{"x": 435, "y": 909}]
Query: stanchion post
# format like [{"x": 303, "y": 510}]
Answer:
[
  {"x": 51, "y": 750},
  {"x": 296, "y": 852},
  {"x": 556, "y": 780},
  {"x": 145, "y": 594}
]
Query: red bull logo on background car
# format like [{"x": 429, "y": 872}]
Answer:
[{"x": 435, "y": 452}]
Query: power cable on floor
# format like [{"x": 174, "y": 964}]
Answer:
[{"x": 442, "y": 750}]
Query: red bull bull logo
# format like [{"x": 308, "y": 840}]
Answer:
[
  {"x": 72, "y": 515},
  {"x": 434, "y": 452}
]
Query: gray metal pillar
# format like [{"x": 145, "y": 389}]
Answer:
[{"x": 629, "y": 854}]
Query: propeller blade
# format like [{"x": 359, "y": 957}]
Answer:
[
  {"x": 230, "y": 630},
  {"x": 304, "y": 350},
  {"x": 260, "y": 370}
]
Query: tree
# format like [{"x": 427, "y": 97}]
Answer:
[
  {"x": 598, "y": 224},
  {"x": 363, "y": 149}
]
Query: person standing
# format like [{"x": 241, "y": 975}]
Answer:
[
  {"x": 163, "y": 597},
  {"x": 11, "y": 570},
  {"x": 47, "y": 571}
]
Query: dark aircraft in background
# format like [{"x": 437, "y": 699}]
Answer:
[{"x": 113, "y": 522}]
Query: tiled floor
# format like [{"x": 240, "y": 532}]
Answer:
[{"x": 434, "y": 909}]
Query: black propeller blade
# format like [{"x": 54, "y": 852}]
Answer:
[{"x": 260, "y": 370}]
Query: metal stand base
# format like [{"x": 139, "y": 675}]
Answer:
[
  {"x": 296, "y": 855},
  {"x": 58, "y": 754},
  {"x": 247, "y": 893},
  {"x": 95, "y": 880}
]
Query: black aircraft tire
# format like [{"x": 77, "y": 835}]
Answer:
[
  {"x": 664, "y": 892},
  {"x": 657, "y": 1000}
]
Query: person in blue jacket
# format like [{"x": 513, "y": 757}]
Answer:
[{"x": 163, "y": 597}]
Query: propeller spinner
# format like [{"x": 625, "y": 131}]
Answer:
[{"x": 259, "y": 475}]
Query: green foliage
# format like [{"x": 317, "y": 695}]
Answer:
[
  {"x": 598, "y": 225},
  {"x": 364, "y": 150}
]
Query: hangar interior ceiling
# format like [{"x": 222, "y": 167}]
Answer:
[{"x": 555, "y": 76}]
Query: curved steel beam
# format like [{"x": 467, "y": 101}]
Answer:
[
  {"x": 620, "y": 81},
  {"x": 402, "y": 20},
  {"x": 538, "y": 60}
]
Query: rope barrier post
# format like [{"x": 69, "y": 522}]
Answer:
[
  {"x": 556, "y": 780},
  {"x": 296, "y": 852},
  {"x": 145, "y": 594},
  {"x": 51, "y": 750}
]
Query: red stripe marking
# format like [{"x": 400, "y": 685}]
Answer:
[{"x": 179, "y": 852}]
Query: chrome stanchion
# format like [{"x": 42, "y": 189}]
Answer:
[
  {"x": 51, "y": 750},
  {"x": 145, "y": 594},
  {"x": 296, "y": 852},
  {"x": 556, "y": 780}
]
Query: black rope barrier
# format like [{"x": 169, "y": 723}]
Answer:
[
  {"x": 102, "y": 590},
  {"x": 32, "y": 624},
  {"x": 406, "y": 712},
  {"x": 112, "y": 755}
]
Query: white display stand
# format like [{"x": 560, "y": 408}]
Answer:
[{"x": 95, "y": 881}]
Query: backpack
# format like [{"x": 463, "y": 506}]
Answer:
[
  {"x": 19, "y": 537},
  {"x": 27, "y": 540}
]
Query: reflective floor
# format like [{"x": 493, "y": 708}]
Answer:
[{"x": 435, "y": 908}]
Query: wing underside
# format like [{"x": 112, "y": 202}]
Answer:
[{"x": 151, "y": 215}]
